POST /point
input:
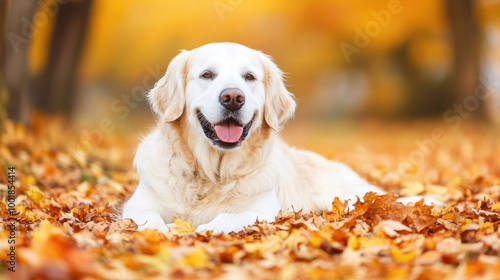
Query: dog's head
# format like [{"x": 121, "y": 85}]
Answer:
[{"x": 226, "y": 91}]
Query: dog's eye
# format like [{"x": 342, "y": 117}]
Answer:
[
  {"x": 207, "y": 75},
  {"x": 249, "y": 77}
]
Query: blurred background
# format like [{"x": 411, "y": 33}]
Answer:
[{"x": 90, "y": 61}]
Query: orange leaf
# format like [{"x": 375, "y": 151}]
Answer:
[{"x": 338, "y": 207}]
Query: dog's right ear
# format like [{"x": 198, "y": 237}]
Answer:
[{"x": 167, "y": 98}]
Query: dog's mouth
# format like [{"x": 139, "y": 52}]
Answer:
[{"x": 227, "y": 134}]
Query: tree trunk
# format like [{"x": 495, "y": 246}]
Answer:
[
  {"x": 56, "y": 85},
  {"x": 466, "y": 41},
  {"x": 19, "y": 32}
]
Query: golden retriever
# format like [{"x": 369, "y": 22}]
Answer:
[{"x": 215, "y": 157}]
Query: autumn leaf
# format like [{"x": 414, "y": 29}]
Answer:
[
  {"x": 197, "y": 258},
  {"x": 391, "y": 228},
  {"x": 402, "y": 256},
  {"x": 183, "y": 227},
  {"x": 338, "y": 207},
  {"x": 496, "y": 206},
  {"x": 36, "y": 196},
  {"x": 412, "y": 188}
]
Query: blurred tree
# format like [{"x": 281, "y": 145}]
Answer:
[
  {"x": 418, "y": 60},
  {"x": 466, "y": 43},
  {"x": 426, "y": 93},
  {"x": 53, "y": 90},
  {"x": 16, "y": 59},
  {"x": 55, "y": 87}
]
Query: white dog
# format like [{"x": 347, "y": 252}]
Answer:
[{"x": 215, "y": 157}]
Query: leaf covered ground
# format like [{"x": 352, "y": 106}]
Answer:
[{"x": 67, "y": 193}]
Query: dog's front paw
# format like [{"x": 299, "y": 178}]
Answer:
[
  {"x": 227, "y": 222},
  {"x": 223, "y": 223},
  {"x": 149, "y": 219},
  {"x": 216, "y": 229}
]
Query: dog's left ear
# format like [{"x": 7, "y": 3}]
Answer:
[
  {"x": 280, "y": 103},
  {"x": 167, "y": 97}
]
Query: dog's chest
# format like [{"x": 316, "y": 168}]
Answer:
[
  {"x": 199, "y": 193},
  {"x": 200, "y": 201}
]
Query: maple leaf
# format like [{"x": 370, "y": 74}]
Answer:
[{"x": 183, "y": 227}]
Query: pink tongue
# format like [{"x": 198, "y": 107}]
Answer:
[{"x": 229, "y": 132}]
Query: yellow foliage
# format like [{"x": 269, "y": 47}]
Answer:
[
  {"x": 412, "y": 188},
  {"x": 496, "y": 206},
  {"x": 401, "y": 256},
  {"x": 36, "y": 196},
  {"x": 183, "y": 227},
  {"x": 123, "y": 41},
  {"x": 197, "y": 258}
]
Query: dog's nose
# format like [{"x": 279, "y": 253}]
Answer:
[{"x": 232, "y": 99}]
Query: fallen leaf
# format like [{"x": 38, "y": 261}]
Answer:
[
  {"x": 412, "y": 188},
  {"x": 197, "y": 258},
  {"x": 183, "y": 227},
  {"x": 338, "y": 207},
  {"x": 401, "y": 256},
  {"x": 391, "y": 228},
  {"x": 36, "y": 195},
  {"x": 68, "y": 227}
]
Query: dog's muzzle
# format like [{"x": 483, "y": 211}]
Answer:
[{"x": 230, "y": 131}]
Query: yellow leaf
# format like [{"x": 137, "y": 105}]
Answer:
[
  {"x": 28, "y": 180},
  {"x": 42, "y": 234},
  {"x": 353, "y": 242},
  {"x": 370, "y": 241},
  {"x": 412, "y": 188},
  {"x": 316, "y": 240},
  {"x": 402, "y": 257},
  {"x": 496, "y": 206},
  {"x": 295, "y": 238},
  {"x": 36, "y": 196},
  {"x": 183, "y": 227},
  {"x": 269, "y": 244},
  {"x": 197, "y": 258},
  {"x": 20, "y": 208},
  {"x": 488, "y": 227}
]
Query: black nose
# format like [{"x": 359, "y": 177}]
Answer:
[{"x": 232, "y": 99}]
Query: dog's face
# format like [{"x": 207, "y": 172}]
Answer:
[{"x": 226, "y": 91}]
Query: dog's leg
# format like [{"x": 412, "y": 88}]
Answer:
[
  {"x": 228, "y": 222},
  {"x": 146, "y": 219},
  {"x": 143, "y": 209},
  {"x": 264, "y": 207}
]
